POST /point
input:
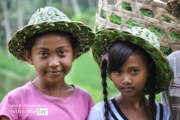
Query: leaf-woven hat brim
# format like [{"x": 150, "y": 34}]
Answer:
[
  {"x": 108, "y": 35},
  {"x": 51, "y": 19},
  {"x": 83, "y": 33}
]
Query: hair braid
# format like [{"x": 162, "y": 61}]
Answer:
[
  {"x": 105, "y": 93},
  {"x": 152, "y": 90}
]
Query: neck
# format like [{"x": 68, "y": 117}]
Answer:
[
  {"x": 58, "y": 89},
  {"x": 132, "y": 102}
]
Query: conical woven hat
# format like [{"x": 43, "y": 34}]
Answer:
[
  {"x": 50, "y": 19},
  {"x": 109, "y": 35}
]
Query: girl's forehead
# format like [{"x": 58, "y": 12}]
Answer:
[
  {"x": 50, "y": 37},
  {"x": 52, "y": 40},
  {"x": 135, "y": 60},
  {"x": 140, "y": 55}
]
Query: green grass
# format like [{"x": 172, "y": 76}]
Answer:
[
  {"x": 87, "y": 17},
  {"x": 2, "y": 94},
  {"x": 12, "y": 65},
  {"x": 13, "y": 73}
]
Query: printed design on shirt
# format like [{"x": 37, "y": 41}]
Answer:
[{"x": 30, "y": 109}]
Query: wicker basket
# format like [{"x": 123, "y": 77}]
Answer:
[{"x": 108, "y": 9}]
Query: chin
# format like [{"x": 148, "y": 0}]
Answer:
[{"x": 55, "y": 80}]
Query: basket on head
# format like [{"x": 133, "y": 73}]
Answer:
[
  {"x": 142, "y": 38},
  {"x": 124, "y": 14},
  {"x": 173, "y": 8}
]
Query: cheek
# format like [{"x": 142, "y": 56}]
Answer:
[
  {"x": 66, "y": 63},
  {"x": 39, "y": 64},
  {"x": 115, "y": 79},
  {"x": 40, "y": 67},
  {"x": 112, "y": 77},
  {"x": 142, "y": 79}
]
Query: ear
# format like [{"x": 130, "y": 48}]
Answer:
[
  {"x": 75, "y": 53},
  {"x": 28, "y": 57}
]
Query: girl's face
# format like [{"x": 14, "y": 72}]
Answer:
[
  {"x": 52, "y": 55},
  {"x": 131, "y": 78}
]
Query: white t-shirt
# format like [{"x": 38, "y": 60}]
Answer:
[{"x": 97, "y": 112}]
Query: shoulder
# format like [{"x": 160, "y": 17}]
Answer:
[
  {"x": 82, "y": 91},
  {"x": 83, "y": 96},
  {"x": 99, "y": 106},
  {"x": 12, "y": 100},
  {"x": 164, "y": 110},
  {"x": 97, "y": 112},
  {"x": 162, "y": 106}
]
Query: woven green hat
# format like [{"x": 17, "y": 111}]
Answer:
[
  {"x": 109, "y": 35},
  {"x": 50, "y": 19}
]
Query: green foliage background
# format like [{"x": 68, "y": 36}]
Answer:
[{"x": 13, "y": 73}]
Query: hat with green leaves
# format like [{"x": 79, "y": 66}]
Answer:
[
  {"x": 50, "y": 19},
  {"x": 144, "y": 39}
]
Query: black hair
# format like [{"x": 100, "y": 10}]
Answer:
[
  {"x": 118, "y": 54},
  {"x": 30, "y": 42}
]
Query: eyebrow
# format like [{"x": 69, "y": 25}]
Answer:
[
  {"x": 131, "y": 67},
  {"x": 134, "y": 67}
]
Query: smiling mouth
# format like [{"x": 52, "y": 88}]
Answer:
[{"x": 55, "y": 72}]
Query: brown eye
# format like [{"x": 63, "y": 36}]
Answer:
[
  {"x": 62, "y": 52},
  {"x": 118, "y": 71},
  {"x": 43, "y": 53},
  {"x": 134, "y": 71}
]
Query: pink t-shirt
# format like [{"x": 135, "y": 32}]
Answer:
[{"x": 28, "y": 103}]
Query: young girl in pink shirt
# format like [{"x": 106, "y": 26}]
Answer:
[{"x": 50, "y": 42}]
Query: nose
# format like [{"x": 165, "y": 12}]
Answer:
[
  {"x": 54, "y": 62},
  {"x": 126, "y": 79}
]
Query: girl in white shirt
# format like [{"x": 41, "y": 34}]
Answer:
[{"x": 137, "y": 68}]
